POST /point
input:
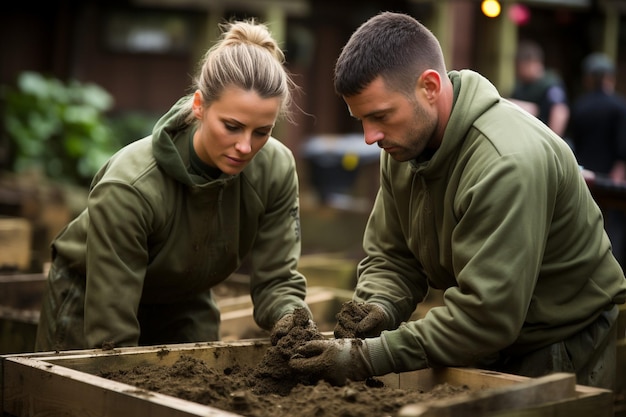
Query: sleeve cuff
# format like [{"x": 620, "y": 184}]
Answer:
[{"x": 379, "y": 355}]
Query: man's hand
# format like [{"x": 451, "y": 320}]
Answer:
[
  {"x": 334, "y": 360},
  {"x": 369, "y": 322}
]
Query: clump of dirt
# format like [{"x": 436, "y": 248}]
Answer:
[
  {"x": 272, "y": 388},
  {"x": 348, "y": 318},
  {"x": 273, "y": 372}
]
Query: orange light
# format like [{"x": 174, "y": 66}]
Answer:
[{"x": 491, "y": 8}]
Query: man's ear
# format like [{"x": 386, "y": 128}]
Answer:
[
  {"x": 197, "y": 105},
  {"x": 430, "y": 84}
]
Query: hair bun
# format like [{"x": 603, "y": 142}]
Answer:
[{"x": 252, "y": 33}]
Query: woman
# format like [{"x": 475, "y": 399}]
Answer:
[{"x": 172, "y": 215}]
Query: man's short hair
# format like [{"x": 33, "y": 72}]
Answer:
[{"x": 392, "y": 45}]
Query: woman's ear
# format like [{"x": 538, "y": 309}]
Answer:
[{"x": 197, "y": 105}]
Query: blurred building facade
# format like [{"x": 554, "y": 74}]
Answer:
[{"x": 145, "y": 51}]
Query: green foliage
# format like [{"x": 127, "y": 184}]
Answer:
[
  {"x": 58, "y": 128},
  {"x": 132, "y": 125}
]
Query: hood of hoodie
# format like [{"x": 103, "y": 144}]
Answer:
[
  {"x": 473, "y": 96},
  {"x": 165, "y": 150}
]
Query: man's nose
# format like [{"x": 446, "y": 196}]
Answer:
[{"x": 372, "y": 134}]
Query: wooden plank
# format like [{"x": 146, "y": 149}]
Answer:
[
  {"x": 589, "y": 402},
  {"x": 51, "y": 382},
  {"x": 475, "y": 378},
  {"x": 427, "y": 379},
  {"x": 483, "y": 403},
  {"x": 314, "y": 295},
  {"x": 216, "y": 354},
  {"x": 38, "y": 388},
  {"x": 47, "y": 381},
  {"x": 238, "y": 321},
  {"x": 15, "y": 243},
  {"x": 20, "y": 301}
]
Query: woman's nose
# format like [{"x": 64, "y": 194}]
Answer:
[{"x": 244, "y": 144}]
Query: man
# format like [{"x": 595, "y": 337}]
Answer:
[
  {"x": 481, "y": 200},
  {"x": 598, "y": 133},
  {"x": 540, "y": 91}
]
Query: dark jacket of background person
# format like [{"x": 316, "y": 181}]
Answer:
[
  {"x": 597, "y": 128},
  {"x": 538, "y": 90},
  {"x": 597, "y": 131}
]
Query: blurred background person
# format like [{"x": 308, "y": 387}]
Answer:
[
  {"x": 539, "y": 91},
  {"x": 597, "y": 130}
]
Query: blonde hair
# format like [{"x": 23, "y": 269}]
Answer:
[{"x": 248, "y": 57}]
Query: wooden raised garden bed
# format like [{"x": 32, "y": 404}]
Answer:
[{"x": 67, "y": 384}]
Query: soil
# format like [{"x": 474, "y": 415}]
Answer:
[
  {"x": 348, "y": 318},
  {"x": 272, "y": 388}
]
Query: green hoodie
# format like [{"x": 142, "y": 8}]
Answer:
[
  {"x": 502, "y": 220},
  {"x": 154, "y": 239}
]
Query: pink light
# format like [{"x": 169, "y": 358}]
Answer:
[{"x": 519, "y": 14}]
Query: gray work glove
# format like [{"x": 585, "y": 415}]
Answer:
[
  {"x": 281, "y": 328},
  {"x": 334, "y": 360},
  {"x": 284, "y": 325},
  {"x": 373, "y": 320}
]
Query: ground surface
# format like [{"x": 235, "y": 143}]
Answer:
[{"x": 271, "y": 389}]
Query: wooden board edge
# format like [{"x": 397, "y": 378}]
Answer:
[
  {"x": 104, "y": 395},
  {"x": 532, "y": 391}
]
